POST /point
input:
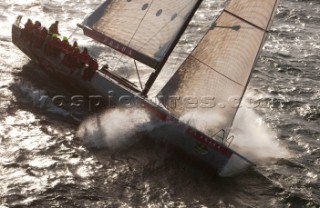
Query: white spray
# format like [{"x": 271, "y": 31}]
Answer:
[
  {"x": 254, "y": 139},
  {"x": 115, "y": 128},
  {"x": 207, "y": 122}
]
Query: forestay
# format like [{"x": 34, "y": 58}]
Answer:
[
  {"x": 145, "y": 30},
  {"x": 212, "y": 80}
]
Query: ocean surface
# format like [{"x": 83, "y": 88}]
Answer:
[{"x": 45, "y": 161}]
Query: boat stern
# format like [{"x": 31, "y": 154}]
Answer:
[{"x": 16, "y": 30}]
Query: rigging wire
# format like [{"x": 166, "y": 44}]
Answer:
[
  {"x": 135, "y": 32},
  {"x": 138, "y": 74},
  {"x": 74, "y": 31}
]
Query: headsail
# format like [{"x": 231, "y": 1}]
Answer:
[
  {"x": 145, "y": 30},
  {"x": 214, "y": 77}
]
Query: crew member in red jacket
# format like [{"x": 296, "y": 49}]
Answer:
[
  {"x": 53, "y": 29},
  {"x": 44, "y": 35},
  {"x": 65, "y": 46},
  {"x": 28, "y": 25},
  {"x": 74, "y": 46},
  {"x": 53, "y": 46},
  {"x": 26, "y": 33},
  {"x": 37, "y": 42},
  {"x": 84, "y": 58},
  {"x": 71, "y": 60},
  {"x": 75, "y": 59},
  {"x": 36, "y": 26},
  {"x": 91, "y": 69}
]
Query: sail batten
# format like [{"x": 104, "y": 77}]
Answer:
[
  {"x": 146, "y": 28},
  {"x": 210, "y": 84}
]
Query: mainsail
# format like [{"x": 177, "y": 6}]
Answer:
[
  {"x": 212, "y": 80},
  {"x": 146, "y": 30}
]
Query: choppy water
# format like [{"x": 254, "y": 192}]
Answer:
[{"x": 44, "y": 164}]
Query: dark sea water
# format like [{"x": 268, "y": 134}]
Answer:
[{"x": 43, "y": 163}]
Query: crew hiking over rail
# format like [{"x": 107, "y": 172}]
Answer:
[{"x": 49, "y": 42}]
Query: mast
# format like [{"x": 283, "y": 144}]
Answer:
[{"x": 159, "y": 67}]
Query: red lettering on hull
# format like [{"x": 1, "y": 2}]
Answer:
[
  {"x": 208, "y": 141},
  {"x": 190, "y": 131}
]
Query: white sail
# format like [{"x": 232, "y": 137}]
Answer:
[
  {"x": 145, "y": 30},
  {"x": 212, "y": 80}
]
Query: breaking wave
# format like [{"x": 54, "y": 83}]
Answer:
[
  {"x": 115, "y": 128},
  {"x": 254, "y": 139}
]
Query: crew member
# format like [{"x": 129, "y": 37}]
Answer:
[
  {"x": 75, "y": 59},
  {"x": 67, "y": 60},
  {"x": 93, "y": 64},
  {"x": 91, "y": 69},
  {"x": 37, "y": 42},
  {"x": 28, "y": 24},
  {"x": 43, "y": 36},
  {"x": 44, "y": 33},
  {"x": 75, "y": 45},
  {"x": 53, "y": 46},
  {"x": 53, "y": 29},
  {"x": 26, "y": 33},
  {"x": 65, "y": 46},
  {"x": 71, "y": 60},
  {"x": 37, "y": 26},
  {"x": 84, "y": 58}
]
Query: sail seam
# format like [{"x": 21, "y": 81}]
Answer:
[
  {"x": 216, "y": 71},
  {"x": 246, "y": 21}
]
